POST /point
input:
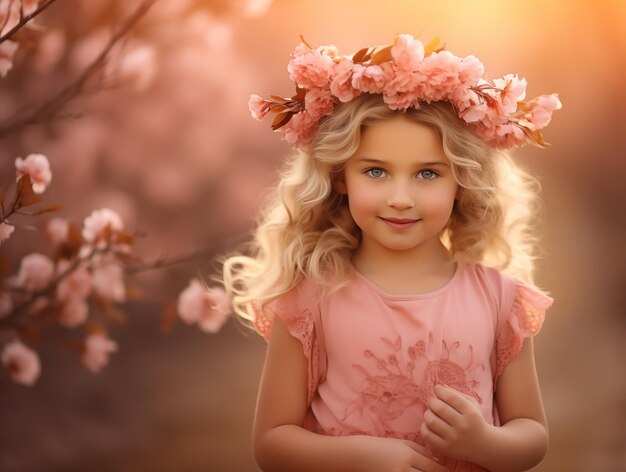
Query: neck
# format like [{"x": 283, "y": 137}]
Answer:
[{"x": 427, "y": 259}]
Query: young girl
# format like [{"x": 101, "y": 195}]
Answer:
[{"x": 392, "y": 269}]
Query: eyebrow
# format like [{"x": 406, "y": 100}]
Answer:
[{"x": 378, "y": 161}]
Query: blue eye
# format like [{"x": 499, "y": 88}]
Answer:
[
  {"x": 375, "y": 172},
  {"x": 429, "y": 172}
]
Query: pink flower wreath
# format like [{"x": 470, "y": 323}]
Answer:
[{"x": 407, "y": 73}]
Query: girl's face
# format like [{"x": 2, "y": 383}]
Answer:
[{"x": 400, "y": 186}]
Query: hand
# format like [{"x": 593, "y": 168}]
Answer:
[
  {"x": 454, "y": 424},
  {"x": 393, "y": 455}
]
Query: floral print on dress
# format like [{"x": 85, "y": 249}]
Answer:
[{"x": 398, "y": 379}]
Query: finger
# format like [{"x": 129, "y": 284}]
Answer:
[
  {"x": 452, "y": 397},
  {"x": 437, "y": 425},
  {"x": 443, "y": 411},
  {"x": 432, "y": 439},
  {"x": 416, "y": 447}
]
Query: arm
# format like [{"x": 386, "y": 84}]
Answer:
[
  {"x": 281, "y": 444},
  {"x": 454, "y": 423}
]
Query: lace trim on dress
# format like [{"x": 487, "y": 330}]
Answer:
[
  {"x": 526, "y": 317},
  {"x": 300, "y": 323}
]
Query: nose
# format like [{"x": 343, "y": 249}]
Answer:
[{"x": 401, "y": 197}]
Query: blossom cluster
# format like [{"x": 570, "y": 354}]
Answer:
[
  {"x": 408, "y": 74},
  {"x": 87, "y": 269}
]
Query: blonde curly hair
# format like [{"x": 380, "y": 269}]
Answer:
[{"x": 306, "y": 230}]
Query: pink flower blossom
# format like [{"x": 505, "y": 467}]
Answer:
[
  {"x": 474, "y": 113},
  {"x": 341, "y": 84},
  {"x": 540, "y": 112},
  {"x": 209, "y": 308},
  {"x": 371, "y": 79},
  {"x": 75, "y": 285},
  {"x": 512, "y": 89},
  {"x": 5, "y": 231},
  {"x": 439, "y": 76},
  {"x": 401, "y": 100},
  {"x": 74, "y": 312},
  {"x": 29, "y": 6},
  {"x": 329, "y": 50},
  {"x": 6, "y": 304},
  {"x": 7, "y": 51},
  {"x": 309, "y": 68},
  {"x": 96, "y": 223},
  {"x": 138, "y": 68},
  {"x": 56, "y": 230},
  {"x": 470, "y": 71},
  {"x": 21, "y": 362},
  {"x": 502, "y": 135},
  {"x": 407, "y": 52},
  {"x": 96, "y": 351},
  {"x": 108, "y": 282},
  {"x": 319, "y": 102},
  {"x": 300, "y": 129},
  {"x": 402, "y": 92},
  {"x": 38, "y": 168},
  {"x": 9, "y": 15},
  {"x": 258, "y": 107},
  {"x": 36, "y": 272}
]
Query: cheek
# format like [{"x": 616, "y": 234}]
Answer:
[
  {"x": 362, "y": 200},
  {"x": 439, "y": 204}
]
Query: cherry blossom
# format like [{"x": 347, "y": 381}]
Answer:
[
  {"x": 310, "y": 68},
  {"x": 56, "y": 230},
  {"x": 96, "y": 351},
  {"x": 258, "y": 107},
  {"x": 29, "y": 6},
  {"x": 138, "y": 68},
  {"x": 75, "y": 285},
  {"x": 407, "y": 52},
  {"x": 9, "y": 15},
  {"x": 5, "y": 231},
  {"x": 74, "y": 312},
  {"x": 513, "y": 90},
  {"x": 36, "y": 272},
  {"x": 319, "y": 102},
  {"x": 209, "y": 308},
  {"x": 439, "y": 76},
  {"x": 341, "y": 84},
  {"x": 38, "y": 168},
  {"x": 95, "y": 224},
  {"x": 7, "y": 51},
  {"x": 108, "y": 282},
  {"x": 21, "y": 362}
]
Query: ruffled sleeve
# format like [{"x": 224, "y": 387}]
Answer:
[
  {"x": 299, "y": 311},
  {"x": 523, "y": 318}
]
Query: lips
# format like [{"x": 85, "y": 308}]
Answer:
[{"x": 399, "y": 223}]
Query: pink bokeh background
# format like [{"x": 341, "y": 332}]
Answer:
[{"x": 175, "y": 152}]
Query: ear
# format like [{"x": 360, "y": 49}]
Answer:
[{"x": 339, "y": 184}]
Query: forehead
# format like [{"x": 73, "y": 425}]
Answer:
[{"x": 400, "y": 139}]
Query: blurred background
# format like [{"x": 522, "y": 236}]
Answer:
[{"x": 172, "y": 148}]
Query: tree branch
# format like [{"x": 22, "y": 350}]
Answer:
[
  {"x": 51, "y": 108},
  {"x": 25, "y": 19}
]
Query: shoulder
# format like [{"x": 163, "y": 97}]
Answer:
[
  {"x": 291, "y": 306},
  {"x": 496, "y": 285}
]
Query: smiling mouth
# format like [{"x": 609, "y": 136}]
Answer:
[{"x": 399, "y": 223}]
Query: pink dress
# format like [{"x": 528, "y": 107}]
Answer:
[{"x": 374, "y": 358}]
